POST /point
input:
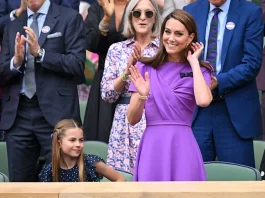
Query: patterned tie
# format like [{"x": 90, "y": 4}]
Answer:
[
  {"x": 212, "y": 40},
  {"x": 30, "y": 83}
]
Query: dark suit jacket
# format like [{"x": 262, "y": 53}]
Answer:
[
  {"x": 261, "y": 76},
  {"x": 7, "y": 6},
  {"x": 241, "y": 58},
  {"x": 64, "y": 60}
]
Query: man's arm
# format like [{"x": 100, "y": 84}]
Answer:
[{"x": 251, "y": 59}]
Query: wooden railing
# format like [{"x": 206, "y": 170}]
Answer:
[{"x": 134, "y": 190}]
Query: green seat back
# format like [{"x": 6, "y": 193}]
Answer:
[
  {"x": 128, "y": 176},
  {"x": 96, "y": 148},
  {"x": 259, "y": 147},
  {"x": 257, "y": 2},
  {"x": 224, "y": 171},
  {"x": 82, "y": 105},
  {"x": 3, "y": 159},
  {"x": 3, "y": 178}
]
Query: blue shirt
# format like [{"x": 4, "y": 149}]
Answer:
[
  {"x": 41, "y": 19},
  {"x": 222, "y": 17}
]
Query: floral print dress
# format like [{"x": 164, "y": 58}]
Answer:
[{"x": 124, "y": 138}]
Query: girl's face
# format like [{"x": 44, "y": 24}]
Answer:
[
  {"x": 72, "y": 143},
  {"x": 175, "y": 38}
]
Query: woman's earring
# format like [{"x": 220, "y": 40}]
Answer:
[{"x": 187, "y": 44}]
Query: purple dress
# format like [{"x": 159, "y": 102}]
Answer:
[{"x": 168, "y": 150}]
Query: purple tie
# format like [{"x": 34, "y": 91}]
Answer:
[{"x": 212, "y": 40}]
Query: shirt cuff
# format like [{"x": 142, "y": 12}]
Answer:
[
  {"x": 12, "y": 18},
  {"x": 12, "y": 67}
]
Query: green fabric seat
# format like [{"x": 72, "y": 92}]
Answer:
[
  {"x": 3, "y": 159},
  {"x": 96, "y": 148},
  {"x": 225, "y": 171},
  {"x": 128, "y": 176},
  {"x": 3, "y": 178},
  {"x": 259, "y": 147},
  {"x": 82, "y": 105}
]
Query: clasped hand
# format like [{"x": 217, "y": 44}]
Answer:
[{"x": 33, "y": 46}]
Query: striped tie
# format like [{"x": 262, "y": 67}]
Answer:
[{"x": 212, "y": 40}]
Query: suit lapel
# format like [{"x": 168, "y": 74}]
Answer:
[
  {"x": 201, "y": 19},
  {"x": 233, "y": 15},
  {"x": 50, "y": 21},
  {"x": 22, "y": 21}
]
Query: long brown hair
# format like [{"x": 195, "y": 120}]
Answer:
[
  {"x": 187, "y": 20},
  {"x": 57, "y": 158}
]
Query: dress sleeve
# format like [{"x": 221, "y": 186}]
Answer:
[
  {"x": 111, "y": 73},
  {"x": 207, "y": 75},
  {"x": 142, "y": 69},
  {"x": 96, "y": 42},
  {"x": 90, "y": 168},
  {"x": 46, "y": 173}
]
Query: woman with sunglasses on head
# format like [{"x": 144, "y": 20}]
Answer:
[
  {"x": 104, "y": 23},
  {"x": 169, "y": 86},
  {"x": 141, "y": 27}
]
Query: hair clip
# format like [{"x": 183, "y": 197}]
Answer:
[{"x": 183, "y": 75}]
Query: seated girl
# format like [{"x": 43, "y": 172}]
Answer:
[{"x": 69, "y": 163}]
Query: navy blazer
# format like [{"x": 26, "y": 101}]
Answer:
[
  {"x": 241, "y": 59},
  {"x": 55, "y": 77},
  {"x": 7, "y": 6}
]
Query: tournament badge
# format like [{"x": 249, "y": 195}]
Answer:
[
  {"x": 230, "y": 25},
  {"x": 45, "y": 29}
]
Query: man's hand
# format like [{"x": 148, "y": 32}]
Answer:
[
  {"x": 22, "y": 8},
  {"x": 33, "y": 44},
  {"x": 214, "y": 82},
  {"x": 19, "y": 50}
]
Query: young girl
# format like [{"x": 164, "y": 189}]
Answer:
[{"x": 69, "y": 163}]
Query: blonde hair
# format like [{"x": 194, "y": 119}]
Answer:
[
  {"x": 58, "y": 133},
  {"x": 129, "y": 31}
]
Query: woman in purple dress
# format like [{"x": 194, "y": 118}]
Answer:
[{"x": 174, "y": 83}]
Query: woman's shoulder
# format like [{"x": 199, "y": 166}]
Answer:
[{"x": 46, "y": 173}]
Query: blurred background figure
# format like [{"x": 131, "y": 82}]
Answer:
[
  {"x": 171, "y": 5},
  {"x": 104, "y": 23}
]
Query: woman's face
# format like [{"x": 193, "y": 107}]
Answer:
[
  {"x": 143, "y": 17},
  {"x": 175, "y": 39}
]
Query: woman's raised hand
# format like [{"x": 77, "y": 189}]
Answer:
[
  {"x": 108, "y": 7},
  {"x": 142, "y": 85}
]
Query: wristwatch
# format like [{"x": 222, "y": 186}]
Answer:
[
  {"x": 40, "y": 53},
  {"x": 14, "y": 14}
]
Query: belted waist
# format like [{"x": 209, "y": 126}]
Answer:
[{"x": 124, "y": 100}]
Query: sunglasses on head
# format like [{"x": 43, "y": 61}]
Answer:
[{"x": 137, "y": 14}]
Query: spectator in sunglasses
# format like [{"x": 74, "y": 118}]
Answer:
[{"x": 141, "y": 27}]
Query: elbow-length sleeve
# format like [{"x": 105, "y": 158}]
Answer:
[{"x": 111, "y": 73}]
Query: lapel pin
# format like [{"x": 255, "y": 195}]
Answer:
[
  {"x": 45, "y": 29},
  {"x": 230, "y": 25}
]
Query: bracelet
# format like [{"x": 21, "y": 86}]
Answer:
[
  {"x": 143, "y": 97},
  {"x": 103, "y": 27},
  {"x": 124, "y": 77}
]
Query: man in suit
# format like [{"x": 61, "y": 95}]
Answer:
[
  {"x": 43, "y": 52},
  {"x": 261, "y": 77},
  {"x": 232, "y": 31}
]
